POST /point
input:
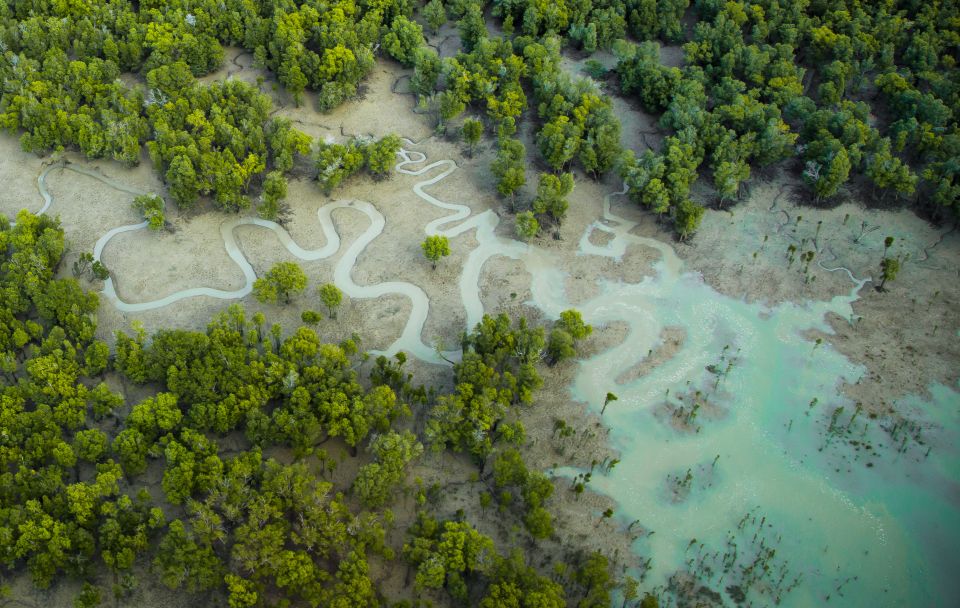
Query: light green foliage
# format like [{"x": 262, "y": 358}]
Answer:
[
  {"x": 242, "y": 592},
  {"x": 192, "y": 466},
  {"x": 435, "y": 14},
  {"x": 688, "y": 217},
  {"x": 96, "y": 358},
  {"x": 403, "y": 39},
  {"x": 889, "y": 172},
  {"x": 155, "y": 416},
  {"x": 572, "y": 322},
  {"x": 472, "y": 131},
  {"x": 258, "y": 531},
  {"x": 382, "y": 155},
  {"x": 559, "y": 141},
  {"x": 285, "y": 143},
  {"x": 889, "y": 269},
  {"x": 331, "y": 296},
  {"x": 131, "y": 448},
  {"x": 283, "y": 281},
  {"x": 727, "y": 178},
  {"x": 336, "y": 162},
  {"x": 274, "y": 191},
  {"x": 445, "y": 554},
  {"x": 450, "y": 104},
  {"x": 509, "y": 167},
  {"x": 202, "y": 149},
  {"x": 392, "y": 452},
  {"x": 552, "y": 192},
  {"x": 152, "y": 209},
  {"x": 247, "y": 525},
  {"x": 90, "y": 444},
  {"x": 526, "y": 225},
  {"x": 311, "y": 317},
  {"x": 435, "y": 247}
]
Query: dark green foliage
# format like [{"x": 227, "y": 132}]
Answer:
[
  {"x": 274, "y": 191},
  {"x": 496, "y": 373},
  {"x": 741, "y": 100},
  {"x": 381, "y": 155},
  {"x": 509, "y": 471}
]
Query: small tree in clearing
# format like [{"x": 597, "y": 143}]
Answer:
[
  {"x": 331, "y": 296},
  {"x": 435, "y": 247},
  {"x": 282, "y": 281},
  {"x": 471, "y": 131}
]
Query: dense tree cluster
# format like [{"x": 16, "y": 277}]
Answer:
[
  {"x": 850, "y": 88},
  {"x": 338, "y": 162},
  {"x": 76, "y": 456},
  {"x": 61, "y": 65},
  {"x": 455, "y": 557}
]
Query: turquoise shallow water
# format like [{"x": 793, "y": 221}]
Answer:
[{"x": 848, "y": 525}]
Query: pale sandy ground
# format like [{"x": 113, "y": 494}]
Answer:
[
  {"x": 906, "y": 336},
  {"x": 895, "y": 340}
]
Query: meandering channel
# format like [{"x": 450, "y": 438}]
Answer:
[{"x": 411, "y": 338}]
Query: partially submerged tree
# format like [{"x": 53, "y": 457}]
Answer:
[{"x": 889, "y": 268}]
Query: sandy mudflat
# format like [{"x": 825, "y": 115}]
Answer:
[{"x": 905, "y": 336}]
